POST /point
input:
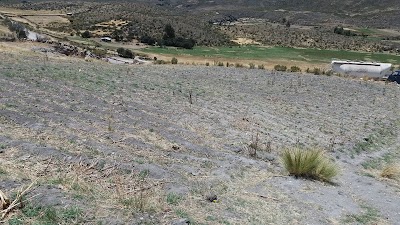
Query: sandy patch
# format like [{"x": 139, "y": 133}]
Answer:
[
  {"x": 246, "y": 41},
  {"x": 45, "y": 20},
  {"x": 112, "y": 23}
]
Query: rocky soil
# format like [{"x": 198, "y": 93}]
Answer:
[{"x": 150, "y": 144}]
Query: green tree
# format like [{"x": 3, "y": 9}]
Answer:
[
  {"x": 21, "y": 34},
  {"x": 86, "y": 34},
  {"x": 169, "y": 32},
  {"x": 126, "y": 53}
]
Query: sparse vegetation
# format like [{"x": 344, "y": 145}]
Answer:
[
  {"x": 174, "y": 60},
  {"x": 252, "y": 66},
  {"x": 280, "y": 68},
  {"x": 369, "y": 216},
  {"x": 173, "y": 198},
  {"x": 309, "y": 163},
  {"x": 48, "y": 215}
]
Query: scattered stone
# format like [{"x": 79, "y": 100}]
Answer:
[
  {"x": 269, "y": 157},
  {"x": 212, "y": 198},
  {"x": 194, "y": 173},
  {"x": 184, "y": 221}
]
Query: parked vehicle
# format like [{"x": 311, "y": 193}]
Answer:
[{"x": 394, "y": 77}]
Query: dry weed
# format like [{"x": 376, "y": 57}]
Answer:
[{"x": 391, "y": 171}]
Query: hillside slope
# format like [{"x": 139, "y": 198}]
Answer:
[{"x": 123, "y": 144}]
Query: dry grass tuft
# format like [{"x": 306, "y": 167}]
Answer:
[
  {"x": 309, "y": 163},
  {"x": 391, "y": 171}
]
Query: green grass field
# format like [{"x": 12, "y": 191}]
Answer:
[{"x": 265, "y": 53}]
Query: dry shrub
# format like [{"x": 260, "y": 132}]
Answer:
[
  {"x": 391, "y": 171},
  {"x": 280, "y": 68},
  {"x": 309, "y": 163},
  {"x": 295, "y": 69}
]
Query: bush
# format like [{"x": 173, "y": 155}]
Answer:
[
  {"x": 220, "y": 64},
  {"x": 391, "y": 171},
  {"x": 261, "y": 67},
  {"x": 21, "y": 34},
  {"x": 317, "y": 71},
  {"x": 174, "y": 61},
  {"x": 295, "y": 69},
  {"x": 99, "y": 52},
  {"x": 309, "y": 163},
  {"x": 125, "y": 53},
  {"x": 238, "y": 65},
  {"x": 207, "y": 64},
  {"x": 160, "y": 62},
  {"x": 86, "y": 34},
  {"x": 329, "y": 73},
  {"x": 148, "y": 40},
  {"x": 280, "y": 68},
  {"x": 252, "y": 66}
]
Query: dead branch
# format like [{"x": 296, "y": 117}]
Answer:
[
  {"x": 5, "y": 202},
  {"x": 17, "y": 201}
]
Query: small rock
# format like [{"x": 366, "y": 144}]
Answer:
[
  {"x": 194, "y": 173},
  {"x": 184, "y": 221},
  {"x": 269, "y": 157},
  {"x": 212, "y": 198},
  {"x": 174, "y": 147},
  {"x": 236, "y": 149}
]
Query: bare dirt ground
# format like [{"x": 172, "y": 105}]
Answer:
[
  {"x": 246, "y": 41},
  {"x": 127, "y": 144}
]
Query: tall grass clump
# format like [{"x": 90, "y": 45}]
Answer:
[
  {"x": 391, "y": 171},
  {"x": 309, "y": 163}
]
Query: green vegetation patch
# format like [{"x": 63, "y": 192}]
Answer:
[
  {"x": 265, "y": 53},
  {"x": 47, "y": 215},
  {"x": 369, "y": 216}
]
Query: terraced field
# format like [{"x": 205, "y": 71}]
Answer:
[{"x": 111, "y": 144}]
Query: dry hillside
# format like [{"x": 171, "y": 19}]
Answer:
[{"x": 123, "y": 144}]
